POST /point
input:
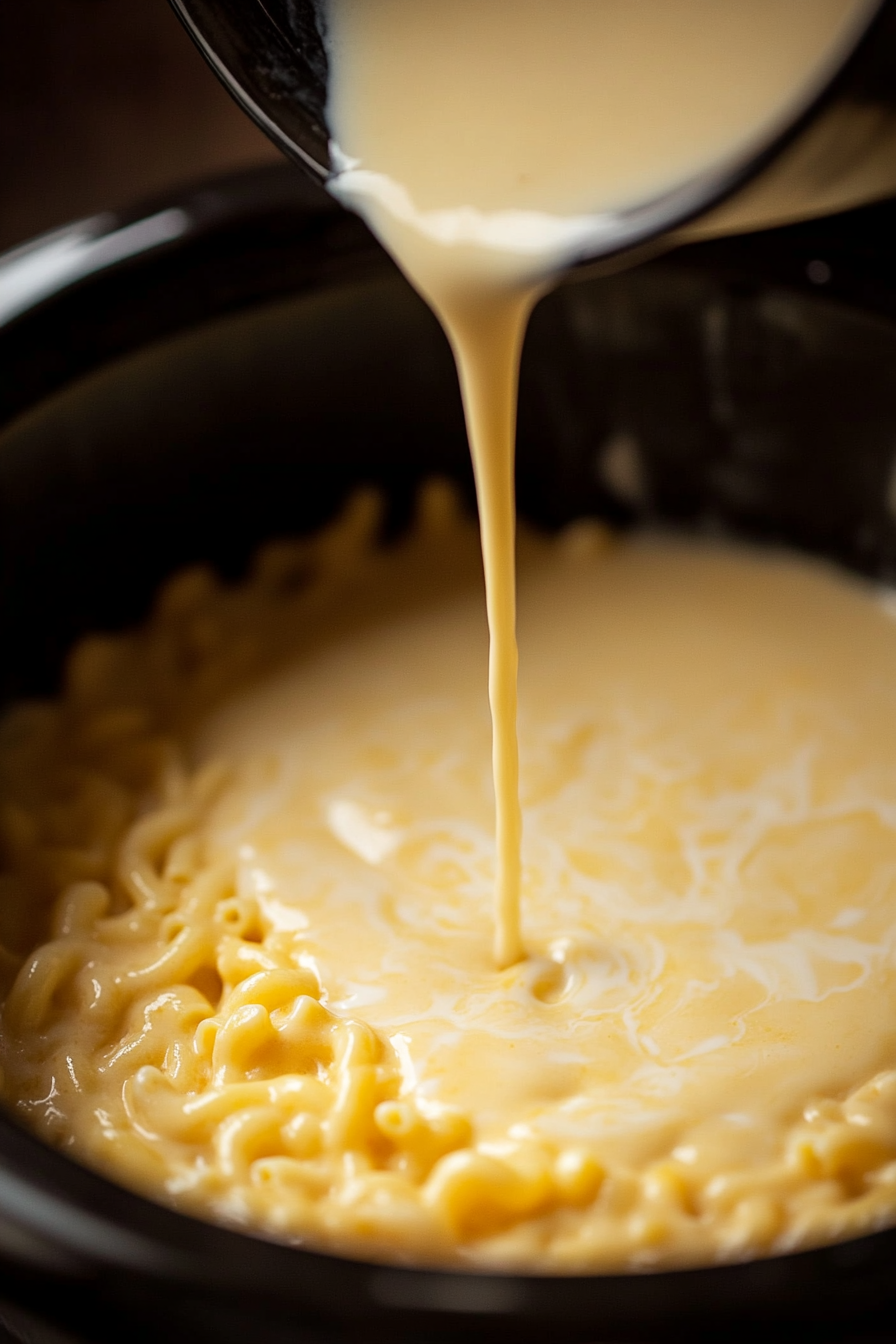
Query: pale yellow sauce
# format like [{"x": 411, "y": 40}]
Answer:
[
  {"x": 269, "y": 997},
  {"x": 488, "y": 142},
  {"x": 267, "y": 829}
]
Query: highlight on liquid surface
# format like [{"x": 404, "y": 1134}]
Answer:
[
  {"x": 245, "y": 904},
  {"x": 490, "y": 143},
  {"x": 513, "y": 126}
]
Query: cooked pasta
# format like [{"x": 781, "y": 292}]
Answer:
[{"x": 245, "y": 904}]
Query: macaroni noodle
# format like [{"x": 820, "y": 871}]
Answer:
[{"x": 285, "y": 1018}]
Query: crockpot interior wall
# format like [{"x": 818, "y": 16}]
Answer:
[
  {"x": 716, "y": 390},
  {"x": 665, "y": 395},
  {"x": 200, "y": 448},
  {"x": 679, "y": 397}
]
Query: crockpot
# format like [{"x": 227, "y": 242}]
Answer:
[{"x": 185, "y": 382}]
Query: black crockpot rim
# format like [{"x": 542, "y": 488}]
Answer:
[{"x": 62, "y": 1220}]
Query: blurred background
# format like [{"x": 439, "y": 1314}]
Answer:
[{"x": 103, "y": 102}]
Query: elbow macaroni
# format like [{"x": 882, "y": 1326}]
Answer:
[{"x": 161, "y": 1026}]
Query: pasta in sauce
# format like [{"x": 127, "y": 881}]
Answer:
[{"x": 245, "y": 904}]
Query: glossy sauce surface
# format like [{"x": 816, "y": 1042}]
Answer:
[
  {"x": 269, "y": 996},
  {"x": 489, "y": 144},
  {"x": 267, "y": 829}
]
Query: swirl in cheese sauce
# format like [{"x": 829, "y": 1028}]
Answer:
[
  {"x": 268, "y": 995},
  {"x": 265, "y": 830},
  {"x": 491, "y": 143}
]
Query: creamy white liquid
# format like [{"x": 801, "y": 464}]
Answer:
[
  {"x": 265, "y": 817},
  {"x": 708, "y": 745},
  {"x": 272, "y": 1001},
  {"x": 489, "y": 144}
]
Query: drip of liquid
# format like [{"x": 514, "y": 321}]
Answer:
[{"x": 489, "y": 144}]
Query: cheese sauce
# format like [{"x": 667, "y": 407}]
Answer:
[
  {"x": 268, "y": 995},
  {"x": 265, "y": 828},
  {"x": 489, "y": 143}
]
